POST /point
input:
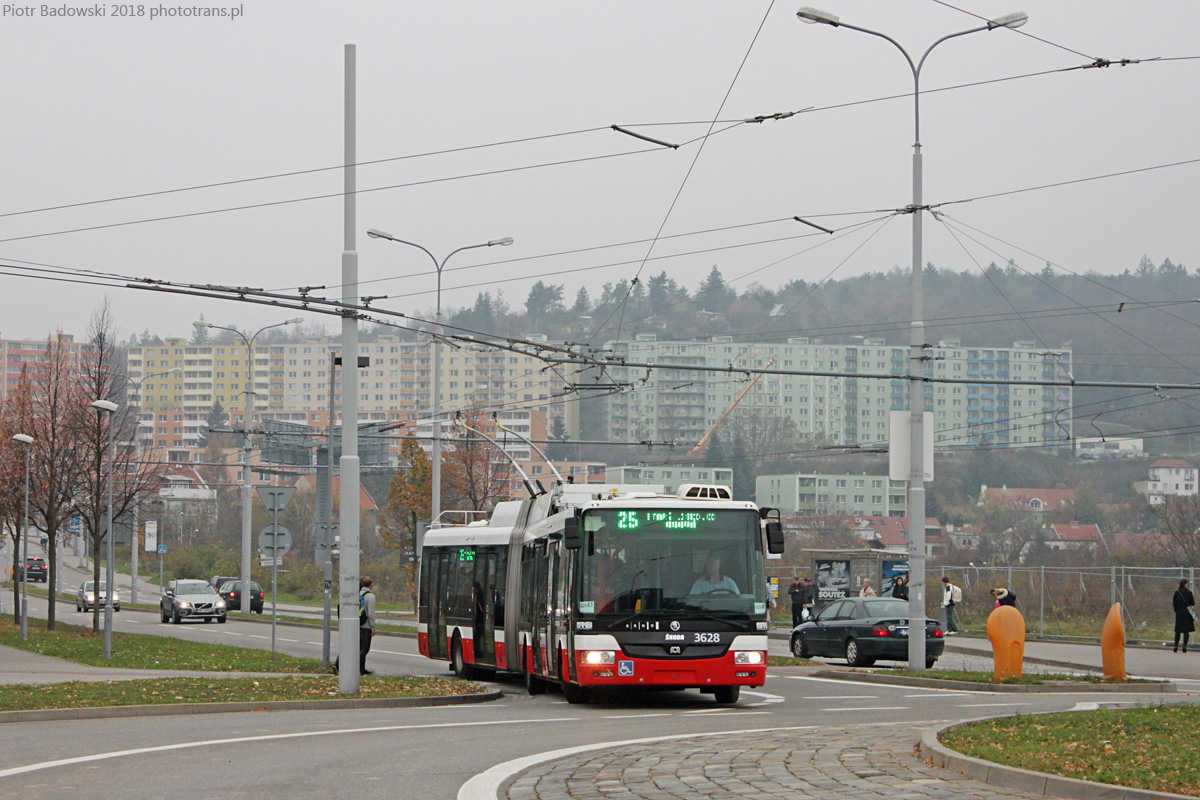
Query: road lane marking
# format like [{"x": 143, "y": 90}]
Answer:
[
  {"x": 232, "y": 633},
  {"x": 845, "y": 697},
  {"x": 766, "y": 698},
  {"x": 939, "y": 696},
  {"x": 987, "y": 705},
  {"x": 395, "y": 653},
  {"x": 258, "y": 636},
  {"x": 632, "y": 716},
  {"x": 64, "y": 762},
  {"x": 869, "y": 708}
]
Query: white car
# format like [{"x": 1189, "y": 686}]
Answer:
[
  {"x": 86, "y": 597},
  {"x": 191, "y": 599}
]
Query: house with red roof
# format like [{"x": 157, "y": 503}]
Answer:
[{"x": 1035, "y": 502}]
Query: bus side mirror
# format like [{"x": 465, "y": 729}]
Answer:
[
  {"x": 774, "y": 537},
  {"x": 572, "y": 536}
]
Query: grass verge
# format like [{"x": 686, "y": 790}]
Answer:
[
  {"x": 1032, "y": 679},
  {"x": 137, "y": 651},
  {"x": 164, "y": 691},
  {"x": 1145, "y": 748},
  {"x": 788, "y": 661}
]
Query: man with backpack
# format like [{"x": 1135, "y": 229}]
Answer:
[
  {"x": 366, "y": 622},
  {"x": 951, "y": 596}
]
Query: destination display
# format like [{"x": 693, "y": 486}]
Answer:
[{"x": 670, "y": 520}]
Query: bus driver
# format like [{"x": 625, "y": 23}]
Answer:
[{"x": 712, "y": 580}]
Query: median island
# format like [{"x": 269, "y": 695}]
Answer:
[{"x": 284, "y": 678}]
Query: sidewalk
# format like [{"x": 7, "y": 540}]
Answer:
[{"x": 1140, "y": 662}]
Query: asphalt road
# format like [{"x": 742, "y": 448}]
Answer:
[{"x": 427, "y": 752}]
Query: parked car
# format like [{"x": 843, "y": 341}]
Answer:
[
  {"x": 863, "y": 630},
  {"x": 191, "y": 600},
  {"x": 37, "y": 569},
  {"x": 86, "y": 600},
  {"x": 231, "y": 591}
]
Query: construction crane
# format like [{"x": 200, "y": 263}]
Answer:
[{"x": 698, "y": 450}]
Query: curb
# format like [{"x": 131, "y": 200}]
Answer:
[
  {"x": 933, "y": 752},
  {"x": 1044, "y": 662},
  {"x": 166, "y": 710},
  {"x": 968, "y": 686}
]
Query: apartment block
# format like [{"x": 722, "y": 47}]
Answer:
[
  {"x": 25, "y": 354},
  {"x": 681, "y": 405},
  {"x": 815, "y": 494},
  {"x": 670, "y": 477}
]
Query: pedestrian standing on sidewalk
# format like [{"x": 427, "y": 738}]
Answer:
[
  {"x": 795, "y": 591},
  {"x": 951, "y": 597},
  {"x": 366, "y": 622},
  {"x": 1185, "y": 614},
  {"x": 866, "y": 590},
  {"x": 899, "y": 588}
]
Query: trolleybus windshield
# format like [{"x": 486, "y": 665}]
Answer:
[{"x": 647, "y": 560}]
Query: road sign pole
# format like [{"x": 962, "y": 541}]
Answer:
[
  {"x": 274, "y": 573},
  {"x": 325, "y": 634}
]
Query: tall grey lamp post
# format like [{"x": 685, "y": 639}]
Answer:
[
  {"x": 137, "y": 459},
  {"x": 110, "y": 408},
  {"x": 247, "y": 489},
  {"x": 916, "y": 357},
  {"x": 435, "y": 508},
  {"x": 26, "y": 440}
]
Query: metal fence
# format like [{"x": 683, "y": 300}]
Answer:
[{"x": 1057, "y": 602}]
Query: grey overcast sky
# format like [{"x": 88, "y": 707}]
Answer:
[{"x": 103, "y": 107}]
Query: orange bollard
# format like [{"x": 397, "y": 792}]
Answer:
[
  {"x": 1006, "y": 632},
  {"x": 1112, "y": 645}
]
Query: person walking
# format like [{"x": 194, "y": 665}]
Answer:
[
  {"x": 1184, "y": 604},
  {"x": 1004, "y": 597},
  {"x": 866, "y": 590},
  {"x": 951, "y": 597},
  {"x": 366, "y": 622}
]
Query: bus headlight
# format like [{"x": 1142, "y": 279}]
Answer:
[
  {"x": 748, "y": 657},
  {"x": 599, "y": 657}
]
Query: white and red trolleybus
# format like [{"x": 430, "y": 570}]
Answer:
[{"x": 591, "y": 589}]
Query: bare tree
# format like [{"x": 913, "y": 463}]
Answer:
[
  {"x": 1179, "y": 518},
  {"x": 475, "y": 475},
  {"x": 14, "y": 419},
  {"x": 408, "y": 503},
  {"x": 100, "y": 378},
  {"x": 58, "y": 459}
]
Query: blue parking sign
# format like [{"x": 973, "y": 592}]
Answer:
[{"x": 625, "y": 668}]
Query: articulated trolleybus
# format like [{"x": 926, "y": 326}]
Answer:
[{"x": 592, "y": 587}]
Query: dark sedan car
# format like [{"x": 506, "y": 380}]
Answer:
[
  {"x": 36, "y": 567},
  {"x": 863, "y": 630},
  {"x": 231, "y": 591}
]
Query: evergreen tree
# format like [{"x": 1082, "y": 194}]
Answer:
[
  {"x": 583, "y": 302},
  {"x": 200, "y": 336},
  {"x": 215, "y": 418},
  {"x": 713, "y": 295}
]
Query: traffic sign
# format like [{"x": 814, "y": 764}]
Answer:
[
  {"x": 275, "y": 498},
  {"x": 162, "y": 549},
  {"x": 267, "y": 561},
  {"x": 274, "y": 541}
]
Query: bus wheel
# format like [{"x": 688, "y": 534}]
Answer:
[
  {"x": 534, "y": 684},
  {"x": 457, "y": 663},
  {"x": 576, "y": 694},
  {"x": 727, "y": 695}
]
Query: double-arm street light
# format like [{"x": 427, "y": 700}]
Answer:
[
  {"x": 134, "y": 542},
  {"x": 916, "y": 359},
  {"x": 436, "y": 455},
  {"x": 247, "y": 490},
  {"x": 26, "y": 440},
  {"x": 108, "y": 407}
]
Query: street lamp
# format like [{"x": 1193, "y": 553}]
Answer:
[
  {"x": 247, "y": 495},
  {"x": 916, "y": 359},
  {"x": 26, "y": 440},
  {"x": 436, "y": 454},
  {"x": 110, "y": 408},
  {"x": 137, "y": 459}
]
